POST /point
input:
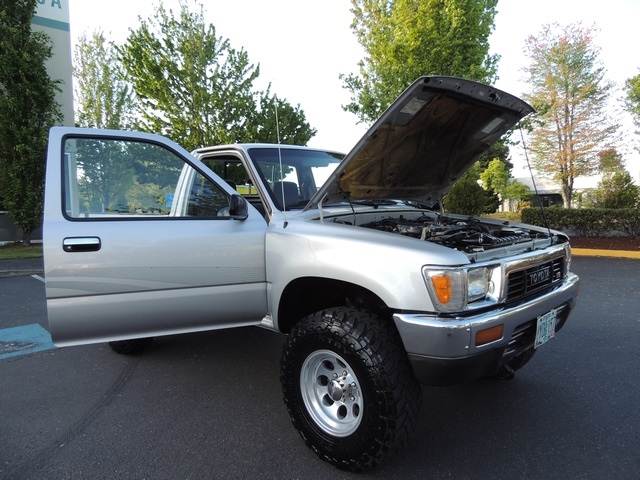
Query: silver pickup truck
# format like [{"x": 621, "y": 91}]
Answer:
[{"x": 352, "y": 257}]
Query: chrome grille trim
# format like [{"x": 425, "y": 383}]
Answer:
[{"x": 516, "y": 284}]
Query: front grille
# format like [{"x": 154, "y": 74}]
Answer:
[{"x": 534, "y": 280}]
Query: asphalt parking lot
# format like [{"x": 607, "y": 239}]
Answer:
[{"x": 209, "y": 405}]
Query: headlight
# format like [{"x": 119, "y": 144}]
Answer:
[
  {"x": 478, "y": 283},
  {"x": 452, "y": 289}
]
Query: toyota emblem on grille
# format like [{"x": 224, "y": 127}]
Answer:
[{"x": 539, "y": 276}]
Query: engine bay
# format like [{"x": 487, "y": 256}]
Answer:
[{"x": 469, "y": 235}]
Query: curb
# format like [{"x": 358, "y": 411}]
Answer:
[
  {"x": 21, "y": 267},
  {"x": 19, "y": 273},
  {"x": 589, "y": 252}
]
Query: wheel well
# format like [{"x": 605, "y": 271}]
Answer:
[{"x": 305, "y": 296}]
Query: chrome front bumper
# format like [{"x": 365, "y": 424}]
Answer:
[{"x": 436, "y": 342}]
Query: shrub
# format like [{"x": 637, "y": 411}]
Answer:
[{"x": 588, "y": 222}]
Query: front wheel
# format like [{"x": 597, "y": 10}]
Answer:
[{"x": 348, "y": 387}]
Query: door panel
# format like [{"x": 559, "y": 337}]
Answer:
[{"x": 138, "y": 241}]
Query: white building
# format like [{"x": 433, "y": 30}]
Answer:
[
  {"x": 549, "y": 190},
  {"x": 52, "y": 18}
]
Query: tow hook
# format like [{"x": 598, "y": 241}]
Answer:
[{"x": 506, "y": 372}]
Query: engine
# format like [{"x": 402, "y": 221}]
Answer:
[{"x": 469, "y": 235}]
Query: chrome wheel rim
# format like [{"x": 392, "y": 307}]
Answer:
[{"x": 331, "y": 393}]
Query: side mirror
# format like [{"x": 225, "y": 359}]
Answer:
[{"x": 238, "y": 209}]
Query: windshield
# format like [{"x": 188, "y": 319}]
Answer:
[{"x": 303, "y": 172}]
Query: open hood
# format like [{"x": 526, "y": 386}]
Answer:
[{"x": 424, "y": 142}]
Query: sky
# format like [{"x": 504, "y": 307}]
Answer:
[{"x": 302, "y": 47}]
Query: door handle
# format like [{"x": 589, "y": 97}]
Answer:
[{"x": 81, "y": 244}]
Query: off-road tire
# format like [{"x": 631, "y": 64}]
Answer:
[
  {"x": 382, "y": 399},
  {"x": 131, "y": 347}
]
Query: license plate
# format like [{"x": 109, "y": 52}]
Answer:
[{"x": 546, "y": 327}]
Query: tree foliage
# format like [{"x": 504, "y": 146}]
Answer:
[
  {"x": 405, "y": 39},
  {"x": 27, "y": 109},
  {"x": 569, "y": 91},
  {"x": 103, "y": 97},
  {"x": 500, "y": 151},
  {"x": 275, "y": 121},
  {"x": 495, "y": 177},
  {"x": 632, "y": 100},
  {"x": 519, "y": 193},
  {"x": 467, "y": 197},
  {"x": 610, "y": 160},
  {"x": 615, "y": 190},
  {"x": 196, "y": 88}
]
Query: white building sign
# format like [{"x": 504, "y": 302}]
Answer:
[{"x": 52, "y": 17}]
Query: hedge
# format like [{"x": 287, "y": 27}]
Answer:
[{"x": 588, "y": 222}]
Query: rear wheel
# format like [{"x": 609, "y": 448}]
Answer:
[
  {"x": 131, "y": 347},
  {"x": 348, "y": 387}
]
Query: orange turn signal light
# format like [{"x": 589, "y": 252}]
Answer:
[
  {"x": 489, "y": 335},
  {"x": 442, "y": 286}
]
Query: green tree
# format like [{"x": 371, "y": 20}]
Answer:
[
  {"x": 104, "y": 100},
  {"x": 632, "y": 100},
  {"x": 193, "y": 86},
  {"x": 518, "y": 192},
  {"x": 467, "y": 197},
  {"x": 495, "y": 177},
  {"x": 615, "y": 190},
  {"x": 103, "y": 97},
  {"x": 610, "y": 160},
  {"x": 27, "y": 110},
  {"x": 405, "y": 39},
  {"x": 500, "y": 151},
  {"x": 569, "y": 91},
  {"x": 291, "y": 128},
  {"x": 114, "y": 177}
]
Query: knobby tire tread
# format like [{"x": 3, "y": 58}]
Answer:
[{"x": 377, "y": 344}]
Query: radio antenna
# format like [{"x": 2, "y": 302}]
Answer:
[
  {"x": 535, "y": 188},
  {"x": 284, "y": 206}
]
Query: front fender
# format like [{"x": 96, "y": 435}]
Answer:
[{"x": 388, "y": 265}]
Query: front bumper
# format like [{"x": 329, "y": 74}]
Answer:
[{"x": 442, "y": 350}]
